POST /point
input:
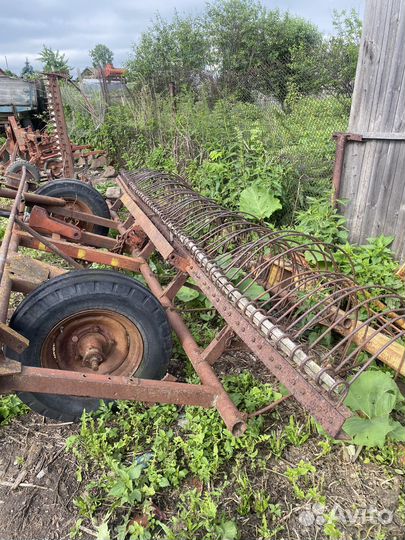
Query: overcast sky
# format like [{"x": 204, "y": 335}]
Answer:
[{"x": 75, "y": 26}]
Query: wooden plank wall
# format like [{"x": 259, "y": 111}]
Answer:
[{"x": 373, "y": 180}]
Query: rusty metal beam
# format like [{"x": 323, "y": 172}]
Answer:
[
  {"x": 73, "y": 383},
  {"x": 331, "y": 415},
  {"x": 83, "y": 253},
  {"x": 8, "y": 367},
  {"x": 80, "y": 216},
  {"x": 234, "y": 419},
  {"x": 10, "y": 245},
  {"x": 12, "y": 339},
  {"x": 341, "y": 142},
  {"x": 33, "y": 238},
  {"x": 41, "y": 221},
  {"x": 175, "y": 285},
  {"x": 142, "y": 219},
  {"x": 55, "y": 107},
  {"x": 5, "y": 244},
  {"x": 33, "y": 198},
  {"x": 218, "y": 345}
]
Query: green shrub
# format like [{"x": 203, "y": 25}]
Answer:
[
  {"x": 226, "y": 146},
  {"x": 10, "y": 407}
]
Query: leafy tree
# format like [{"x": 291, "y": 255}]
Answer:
[
  {"x": 239, "y": 45},
  {"x": 101, "y": 55},
  {"x": 53, "y": 61},
  {"x": 27, "y": 71},
  {"x": 236, "y": 32},
  {"x": 253, "y": 45},
  {"x": 332, "y": 66},
  {"x": 170, "y": 51},
  {"x": 343, "y": 49}
]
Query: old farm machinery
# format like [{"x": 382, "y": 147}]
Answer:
[
  {"x": 88, "y": 334},
  {"x": 43, "y": 151}
]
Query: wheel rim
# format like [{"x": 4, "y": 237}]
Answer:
[
  {"x": 78, "y": 206},
  {"x": 96, "y": 340}
]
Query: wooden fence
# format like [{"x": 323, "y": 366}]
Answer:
[{"x": 373, "y": 180}]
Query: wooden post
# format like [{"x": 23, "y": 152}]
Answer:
[
  {"x": 373, "y": 180},
  {"x": 172, "y": 94}
]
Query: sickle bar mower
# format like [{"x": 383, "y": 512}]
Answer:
[{"x": 279, "y": 292}]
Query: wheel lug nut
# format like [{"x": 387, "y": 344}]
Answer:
[
  {"x": 94, "y": 364},
  {"x": 75, "y": 339}
]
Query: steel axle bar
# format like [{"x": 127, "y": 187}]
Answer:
[{"x": 73, "y": 383}]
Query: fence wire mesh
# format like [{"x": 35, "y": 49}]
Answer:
[{"x": 233, "y": 112}]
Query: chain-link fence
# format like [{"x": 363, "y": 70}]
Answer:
[{"x": 231, "y": 121}]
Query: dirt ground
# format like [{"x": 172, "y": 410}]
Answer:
[
  {"x": 37, "y": 480},
  {"x": 365, "y": 495},
  {"x": 38, "y": 486}
]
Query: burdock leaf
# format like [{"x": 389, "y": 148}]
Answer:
[
  {"x": 368, "y": 432},
  {"x": 258, "y": 201},
  {"x": 374, "y": 393}
]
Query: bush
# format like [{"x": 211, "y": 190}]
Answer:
[{"x": 226, "y": 147}]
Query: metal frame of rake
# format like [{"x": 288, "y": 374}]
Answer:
[{"x": 272, "y": 289}]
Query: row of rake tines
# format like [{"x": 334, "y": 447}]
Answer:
[{"x": 292, "y": 277}]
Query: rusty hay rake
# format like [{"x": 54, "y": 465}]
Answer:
[{"x": 279, "y": 292}]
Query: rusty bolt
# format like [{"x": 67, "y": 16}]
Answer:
[{"x": 93, "y": 360}]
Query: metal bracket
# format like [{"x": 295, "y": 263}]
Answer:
[
  {"x": 40, "y": 220},
  {"x": 213, "y": 352}
]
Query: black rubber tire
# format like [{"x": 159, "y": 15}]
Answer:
[
  {"x": 75, "y": 189},
  {"x": 27, "y": 123},
  {"x": 34, "y": 174},
  {"x": 72, "y": 293}
]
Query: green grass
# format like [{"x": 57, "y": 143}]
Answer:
[
  {"x": 137, "y": 455},
  {"x": 10, "y": 407}
]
